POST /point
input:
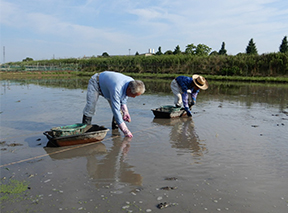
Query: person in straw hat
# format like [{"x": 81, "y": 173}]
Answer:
[{"x": 186, "y": 89}]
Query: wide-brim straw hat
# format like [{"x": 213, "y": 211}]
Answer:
[{"x": 200, "y": 81}]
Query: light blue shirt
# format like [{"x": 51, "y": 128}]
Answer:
[{"x": 113, "y": 86}]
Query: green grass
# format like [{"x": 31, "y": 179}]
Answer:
[
  {"x": 279, "y": 79},
  {"x": 12, "y": 190}
]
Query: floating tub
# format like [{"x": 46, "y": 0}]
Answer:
[
  {"x": 91, "y": 133},
  {"x": 168, "y": 111}
]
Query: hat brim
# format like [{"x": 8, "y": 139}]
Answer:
[{"x": 203, "y": 87}]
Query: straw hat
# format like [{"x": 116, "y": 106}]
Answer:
[{"x": 200, "y": 82}]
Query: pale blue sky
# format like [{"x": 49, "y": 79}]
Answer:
[{"x": 43, "y": 29}]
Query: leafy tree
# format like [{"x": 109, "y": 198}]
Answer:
[
  {"x": 202, "y": 50},
  {"x": 223, "y": 51},
  {"x": 168, "y": 52},
  {"x": 27, "y": 59},
  {"x": 105, "y": 54},
  {"x": 251, "y": 48},
  {"x": 159, "y": 52},
  {"x": 177, "y": 50},
  {"x": 284, "y": 46},
  {"x": 137, "y": 53},
  {"x": 190, "y": 49}
]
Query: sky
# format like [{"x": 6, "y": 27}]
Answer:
[{"x": 47, "y": 29}]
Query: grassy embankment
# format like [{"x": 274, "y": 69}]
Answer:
[{"x": 71, "y": 74}]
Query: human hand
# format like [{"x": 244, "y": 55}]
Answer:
[
  {"x": 189, "y": 114},
  {"x": 128, "y": 134},
  {"x": 126, "y": 117},
  {"x": 125, "y": 130}
]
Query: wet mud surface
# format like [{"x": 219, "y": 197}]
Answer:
[{"x": 231, "y": 156}]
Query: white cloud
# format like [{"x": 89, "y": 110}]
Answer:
[{"x": 95, "y": 26}]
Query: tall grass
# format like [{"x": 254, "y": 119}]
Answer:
[{"x": 269, "y": 65}]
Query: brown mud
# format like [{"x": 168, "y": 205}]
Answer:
[{"x": 231, "y": 156}]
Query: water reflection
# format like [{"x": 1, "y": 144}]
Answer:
[
  {"x": 113, "y": 167},
  {"x": 247, "y": 92},
  {"x": 183, "y": 137},
  {"x": 103, "y": 166}
]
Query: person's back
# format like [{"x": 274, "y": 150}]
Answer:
[{"x": 112, "y": 83}]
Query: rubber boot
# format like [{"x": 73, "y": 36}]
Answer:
[
  {"x": 114, "y": 123},
  {"x": 86, "y": 120}
]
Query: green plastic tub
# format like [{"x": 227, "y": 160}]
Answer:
[
  {"x": 170, "y": 109},
  {"x": 74, "y": 129}
]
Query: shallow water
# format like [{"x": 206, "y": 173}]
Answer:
[{"x": 230, "y": 156}]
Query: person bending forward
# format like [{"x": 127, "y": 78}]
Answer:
[
  {"x": 116, "y": 88},
  {"x": 186, "y": 89}
]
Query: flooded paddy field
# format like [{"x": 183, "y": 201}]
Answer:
[{"x": 231, "y": 156}]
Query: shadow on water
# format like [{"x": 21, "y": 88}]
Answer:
[{"x": 36, "y": 141}]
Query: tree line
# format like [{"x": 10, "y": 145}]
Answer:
[
  {"x": 204, "y": 50},
  {"x": 195, "y": 59}
]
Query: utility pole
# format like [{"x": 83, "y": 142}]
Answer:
[{"x": 129, "y": 51}]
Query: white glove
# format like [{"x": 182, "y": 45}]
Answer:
[
  {"x": 125, "y": 130},
  {"x": 126, "y": 116}
]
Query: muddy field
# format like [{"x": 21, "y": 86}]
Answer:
[{"x": 231, "y": 156}]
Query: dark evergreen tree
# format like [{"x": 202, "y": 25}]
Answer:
[
  {"x": 251, "y": 48},
  {"x": 223, "y": 51},
  {"x": 284, "y": 46},
  {"x": 177, "y": 50},
  {"x": 105, "y": 54},
  {"x": 159, "y": 52}
]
